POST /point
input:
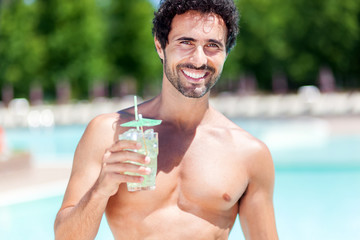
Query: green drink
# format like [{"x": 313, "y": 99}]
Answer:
[{"x": 149, "y": 147}]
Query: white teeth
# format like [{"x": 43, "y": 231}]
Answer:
[{"x": 194, "y": 75}]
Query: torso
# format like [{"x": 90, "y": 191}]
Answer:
[{"x": 201, "y": 177}]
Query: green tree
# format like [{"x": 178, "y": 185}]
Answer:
[
  {"x": 85, "y": 42},
  {"x": 21, "y": 49},
  {"x": 130, "y": 43},
  {"x": 297, "y": 38},
  {"x": 75, "y": 35}
]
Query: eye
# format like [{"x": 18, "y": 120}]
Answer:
[
  {"x": 185, "y": 42},
  {"x": 213, "y": 45}
]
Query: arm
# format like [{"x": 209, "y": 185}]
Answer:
[
  {"x": 95, "y": 177},
  {"x": 256, "y": 209}
]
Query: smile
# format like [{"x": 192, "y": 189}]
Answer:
[{"x": 193, "y": 75}]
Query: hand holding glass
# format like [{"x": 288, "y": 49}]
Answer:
[{"x": 149, "y": 147}]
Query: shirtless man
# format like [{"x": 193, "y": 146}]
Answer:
[{"x": 209, "y": 169}]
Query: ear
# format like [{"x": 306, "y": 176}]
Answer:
[{"x": 159, "y": 49}]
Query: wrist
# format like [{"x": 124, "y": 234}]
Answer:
[{"x": 98, "y": 196}]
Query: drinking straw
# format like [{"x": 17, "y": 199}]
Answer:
[
  {"x": 137, "y": 118},
  {"x": 136, "y": 111},
  {"x": 143, "y": 135}
]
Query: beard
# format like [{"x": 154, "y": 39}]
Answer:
[{"x": 191, "y": 90}]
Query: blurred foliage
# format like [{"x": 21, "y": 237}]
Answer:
[
  {"x": 86, "y": 42},
  {"x": 74, "y": 37},
  {"x": 130, "y": 44},
  {"x": 296, "y": 38},
  {"x": 82, "y": 43},
  {"x": 21, "y": 48}
]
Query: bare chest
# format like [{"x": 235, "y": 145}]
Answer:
[
  {"x": 207, "y": 177},
  {"x": 198, "y": 187},
  {"x": 213, "y": 177}
]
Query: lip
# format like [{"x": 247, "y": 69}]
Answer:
[{"x": 193, "y": 78}]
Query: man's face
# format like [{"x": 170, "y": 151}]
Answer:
[{"x": 196, "y": 52}]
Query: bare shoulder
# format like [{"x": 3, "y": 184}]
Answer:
[
  {"x": 106, "y": 121},
  {"x": 103, "y": 126},
  {"x": 255, "y": 156},
  {"x": 101, "y": 132},
  {"x": 250, "y": 150},
  {"x": 99, "y": 135},
  {"x": 233, "y": 133},
  {"x": 249, "y": 145}
]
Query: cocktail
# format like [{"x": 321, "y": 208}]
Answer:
[{"x": 149, "y": 147}]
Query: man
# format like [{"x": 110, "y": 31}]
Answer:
[{"x": 209, "y": 169}]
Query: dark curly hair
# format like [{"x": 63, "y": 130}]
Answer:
[{"x": 226, "y": 9}]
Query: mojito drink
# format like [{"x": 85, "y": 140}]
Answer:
[{"x": 149, "y": 147}]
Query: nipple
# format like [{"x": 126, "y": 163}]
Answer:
[{"x": 226, "y": 197}]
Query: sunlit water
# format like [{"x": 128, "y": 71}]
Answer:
[{"x": 317, "y": 188}]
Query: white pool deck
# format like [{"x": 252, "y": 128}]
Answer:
[
  {"x": 308, "y": 103},
  {"x": 341, "y": 111},
  {"x": 34, "y": 183}
]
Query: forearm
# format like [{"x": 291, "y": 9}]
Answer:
[{"x": 82, "y": 221}]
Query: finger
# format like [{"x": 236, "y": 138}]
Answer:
[
  {"x": 129, "y": 178},
  {"x": 123, "y": 145},
  {"x": 123, "y": 156},
  {"x": 127, "y": 167}
]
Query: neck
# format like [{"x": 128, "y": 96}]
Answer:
[{"x": 181, "y": 111}]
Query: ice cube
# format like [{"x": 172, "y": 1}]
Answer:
[
  {"x": 149, "y": 131},
  {"x": 129, "y": 135}
]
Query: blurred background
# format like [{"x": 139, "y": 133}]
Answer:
[{"x": 292, "y": 80}]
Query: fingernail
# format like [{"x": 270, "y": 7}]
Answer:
[
  {"x": 147, "y": 159},
  {"x": 148, "y": 170}
]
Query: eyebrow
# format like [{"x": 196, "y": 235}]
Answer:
[
  {"x": 192, "y": 39},
  {"x": 217, "y": 42},
  {"x": 186, "y": 39}
]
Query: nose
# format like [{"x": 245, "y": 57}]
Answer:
[{"x": 199, "y": 57}]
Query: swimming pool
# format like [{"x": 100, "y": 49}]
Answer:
[
  {"x": 47, "y": 145},
  {"x": 316, "y": 196}
]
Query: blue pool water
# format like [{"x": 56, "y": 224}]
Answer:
[
  {"x": 317, "y": 187},
  {"x": 48, "y": 145}
]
